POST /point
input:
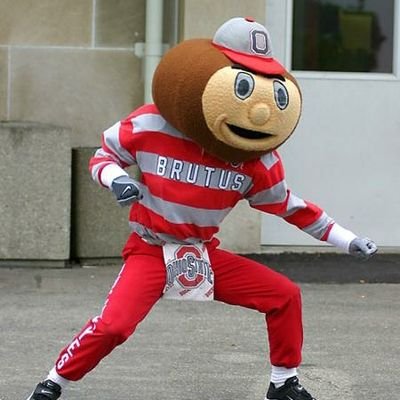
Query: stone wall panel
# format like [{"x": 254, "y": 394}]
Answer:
[
  {"x": 87, "y": 91},
  {"x": 35, "y": 195},
  {"x": 46, "y": 22}
]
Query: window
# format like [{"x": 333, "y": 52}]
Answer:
[{"x": 343, "y": 35}]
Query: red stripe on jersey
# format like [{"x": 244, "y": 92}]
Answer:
[
  {"x": 126, "y": 136},
  {"x": 175, "y": 147},
  {"x": 98, "y": 160},
  {"x": 326, "y": 234},
  {"x": 275, "y": 209},
  {"x": 162, "y": 143},
  {"x": 158, "y": 224},
  {"x": 190, "y": 194},
  {"x": 99, "y": 174},
  {"x": 305, "y": 216}
]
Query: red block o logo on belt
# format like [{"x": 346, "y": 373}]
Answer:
[{"x": 190, "y": 253}]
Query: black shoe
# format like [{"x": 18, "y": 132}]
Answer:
[
  {"x": 46, "y": 390},
  {"x": 291, "y": 390}
]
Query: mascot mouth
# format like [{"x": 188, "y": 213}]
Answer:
[{"x": 247, "y": 133}]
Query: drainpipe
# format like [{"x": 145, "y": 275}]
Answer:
[{"x": 153, "y": 46}]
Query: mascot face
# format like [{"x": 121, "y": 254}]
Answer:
[
  {"x": 229, "y": 95},
  {"x": 249, "y": 111}
]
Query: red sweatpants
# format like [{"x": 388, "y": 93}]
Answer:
[{"x": 238, "y": 281}]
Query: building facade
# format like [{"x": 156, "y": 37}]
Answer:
[{"x": 75, "y": 65}]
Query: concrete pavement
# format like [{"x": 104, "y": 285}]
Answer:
[{"x": 186, "y": 350}]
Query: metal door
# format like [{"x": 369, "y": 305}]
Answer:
[{"x": 345, "y": 153}]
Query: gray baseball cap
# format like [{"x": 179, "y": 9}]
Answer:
[{"x": 247, "y": 43}]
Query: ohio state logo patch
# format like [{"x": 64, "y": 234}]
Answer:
[
  {"x": 189, "y": 273},
  {"x": 188, "y": 268}
]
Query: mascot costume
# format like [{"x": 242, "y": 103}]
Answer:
[{"x": 222, "y": 108}]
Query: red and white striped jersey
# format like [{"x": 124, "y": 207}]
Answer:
[{"x": 187, "y": 192}]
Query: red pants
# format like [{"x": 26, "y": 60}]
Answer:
[{"x": 238, "y": 281}]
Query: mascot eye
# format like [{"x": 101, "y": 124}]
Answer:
[
  {"x": 244, "y": 85},
  {"x": 281, "y": 95}
]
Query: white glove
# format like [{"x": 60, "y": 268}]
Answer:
[{"x": 362, "y": 248}]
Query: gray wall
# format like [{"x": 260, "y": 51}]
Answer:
[{"x": 71, "y": 63}]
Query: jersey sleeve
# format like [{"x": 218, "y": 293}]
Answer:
[
  {"x": 116, "y": 153},
  {"x": 270, "y": 194}
]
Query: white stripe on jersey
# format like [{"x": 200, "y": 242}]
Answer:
[
  {"x": 195, "y": 174},
  {"x": 319, "y": 227},
  {"x": 155, "y": 123},
  {"x": 181, "y": 214},
  {"x": 273, "y": 195},
  {"x": 294, "y": 204},
  {"x": 269, "y": 160}
]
